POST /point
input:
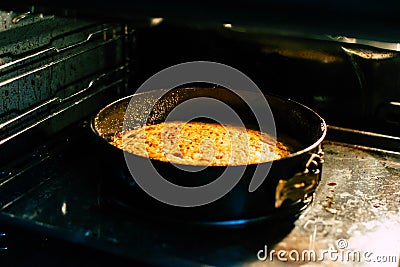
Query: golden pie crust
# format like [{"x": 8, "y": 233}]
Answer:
[{"x": 200, "y": 143}]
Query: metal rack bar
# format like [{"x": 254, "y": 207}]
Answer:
[
  {"x": 60, "y": 100},
  {"x": 58, "y": 50},
  {"x": 53, "y": 63}
]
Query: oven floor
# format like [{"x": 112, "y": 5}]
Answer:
[{"x": 55, "y": 208}]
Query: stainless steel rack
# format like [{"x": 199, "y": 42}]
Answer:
[{"x": 58, "y": 72}]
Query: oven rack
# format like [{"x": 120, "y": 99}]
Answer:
[
  {"x": 30, "y": 81},
  {"x": 54, "y": 89}
]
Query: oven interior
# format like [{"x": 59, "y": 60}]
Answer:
[{"x": 57, "y": 69}]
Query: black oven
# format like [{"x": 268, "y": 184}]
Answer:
[{"x": 60, "y": 65}]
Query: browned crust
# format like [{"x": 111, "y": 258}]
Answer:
[{"x": 201, "y": 143}]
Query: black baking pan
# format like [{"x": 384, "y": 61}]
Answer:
[{"x": 287, "y": 189}]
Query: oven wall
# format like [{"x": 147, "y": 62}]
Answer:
[{"x": 345, "y": 86}]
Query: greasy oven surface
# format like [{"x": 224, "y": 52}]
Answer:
[{"x": 356, "y": 210}]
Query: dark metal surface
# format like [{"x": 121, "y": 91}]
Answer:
[
  {"x": 357, "y": 200},
  {"x": 11, "y": 20},
  {"x": 367, "y": 19},
  {"x": 350, "y": 85}
]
